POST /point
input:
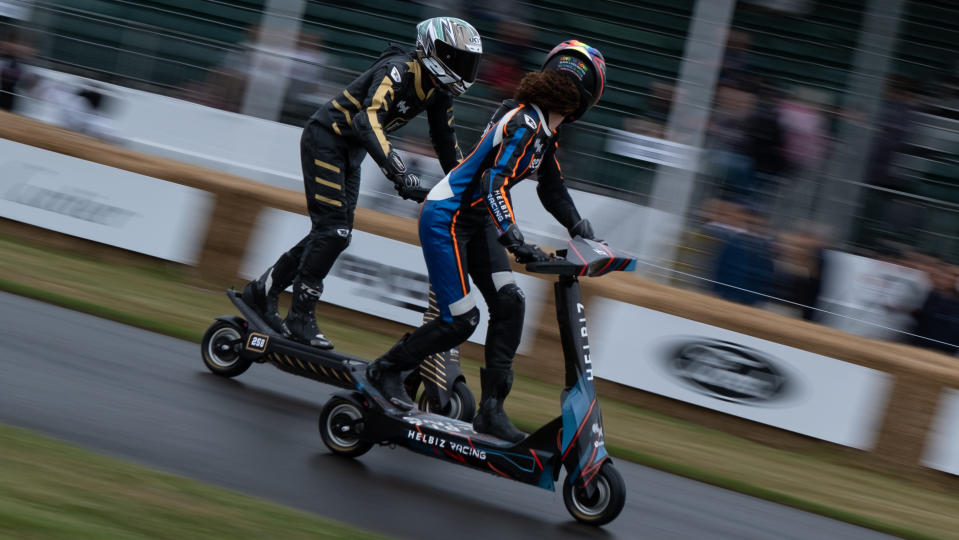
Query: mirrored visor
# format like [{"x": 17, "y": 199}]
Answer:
[{"x": 463, "y": 63}]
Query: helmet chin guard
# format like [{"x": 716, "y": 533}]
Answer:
[
  {"x": 586, "y": 66},
  {"x": 450, "y": 50}
]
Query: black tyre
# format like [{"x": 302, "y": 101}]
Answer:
[
  {"x": 221, "y": 347},
  {"x": 341, "y": 422},
  {"x": 607, "y": 501},
  {"x": 462, "y": 405}
]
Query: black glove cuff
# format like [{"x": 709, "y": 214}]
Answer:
[
  {"x": 394, "y": 168},
  {"x": 511, "y": 237}
]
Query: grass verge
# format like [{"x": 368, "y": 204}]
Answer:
[
  {"x": 50, "y": 489},
  {"x": 163, "y": 299}
]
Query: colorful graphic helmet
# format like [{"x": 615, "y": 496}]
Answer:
[
  {"x": 586, "y": 66},
  {"x": 450, "y": 50}
]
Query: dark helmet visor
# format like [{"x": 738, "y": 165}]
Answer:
[{"x": 463, "y": 63}]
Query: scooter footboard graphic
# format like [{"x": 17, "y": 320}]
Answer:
[
  {"x": 333, "y": 371},
  {"x": 452, "y": 440}
]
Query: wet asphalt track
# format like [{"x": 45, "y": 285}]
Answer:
[{"x": 147, "y": 398}]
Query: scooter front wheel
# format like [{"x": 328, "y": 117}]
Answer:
[
  {"x": 604, "y": 503},
  {"x": 341, "y": 422},
  {"x": 221, "y": 349},
  {"x": 462, "y": 405}
]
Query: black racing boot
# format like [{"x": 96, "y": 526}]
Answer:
[
  {"x": 263, "y": 295},
  {"x": 386, "y": 374},
  {"x": 301, "y": 320},
  {"x": 491, "y": 419}
]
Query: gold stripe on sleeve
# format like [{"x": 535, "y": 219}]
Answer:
[
  {"x": 378, "y": 103},
  {"x": 352, "y": 99},
  {"x": 327, "y": 183},
  {"x": 336, "y": 129},
  {"x": 345, "y": 112},
  {"x": 326, "y": 165},
  {"x": 328, "y": 200},
  {"x": 417, "y": 78}
]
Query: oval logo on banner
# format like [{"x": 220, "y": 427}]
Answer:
[{"x": 728, "y": 371}]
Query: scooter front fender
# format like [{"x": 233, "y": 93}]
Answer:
[{"x": 583, "y": 440}]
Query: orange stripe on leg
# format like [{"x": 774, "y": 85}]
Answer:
[{"x": 456, "y": 250}]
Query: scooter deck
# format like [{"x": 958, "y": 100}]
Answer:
[
  {"x": 263, "y": 344},
  {"x": 530, "y": 461}
]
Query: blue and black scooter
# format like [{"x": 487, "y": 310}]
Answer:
[{"x": 593, "y": 491}]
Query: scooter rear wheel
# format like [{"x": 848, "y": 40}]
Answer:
[
  {"x": 221, "y": 349},
  {"x": 341, "y": 422},
  {"x": 462, "y": 405},
  {"x": 606, "y": 501}
]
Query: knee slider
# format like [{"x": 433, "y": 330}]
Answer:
[
  {"x": 510, "y": 299},
  {"x": 465, "y": 323},
  {"x": 337, "y": 238}
]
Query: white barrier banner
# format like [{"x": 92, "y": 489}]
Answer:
[
  {"x": 870, "y": 298},
  {"x": 942, "y": 448},
  {"x": 116, "y": 207},
  {"x": 375, "y": 275},
  {"x": 737, "y": 374},
  {"x": 651, "y": 149}
]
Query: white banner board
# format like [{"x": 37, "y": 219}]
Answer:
[
  {"x": 942, "y": 447},
  {"x": 737, "y": 374},
  {"x": 870, "y": 298},
  {"x": 112, "y": 206},
  {"x": 375, "y": 275},
  {"x": 651, "y": 149}
]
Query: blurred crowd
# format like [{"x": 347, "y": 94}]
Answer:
[
  {"x": 84, "y": 108},
  {"x": 758, "y": 239},
  {"x": 755, "y": 238}
]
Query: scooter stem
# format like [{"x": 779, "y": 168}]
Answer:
[{"x": 583, "y": 439}]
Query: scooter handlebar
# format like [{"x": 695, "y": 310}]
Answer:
[{"x": 584, "y": 257}]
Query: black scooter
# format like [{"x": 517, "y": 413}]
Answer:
[
  {"x": 232, "y": 344},
  {"x": 593, "y": 491}
]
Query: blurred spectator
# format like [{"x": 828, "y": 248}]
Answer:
[
  {"x": 227, "y": 82},
  {"x": 721, "y": 220},
  {"x": 799, "y": 268},
  {"x": 938, "y": 319},
  {"x": 730, "y": 164},
  {"x": 891, "y": 215},
  {"x": 805, "y": 139},
  {"x": 13, "y": 73},
  {"x": 307, "y": 86},
  {"x": 737, "y": 65},
  {"x": 744, "y": 268},
  {"x": 765, "y": 144},
  {"x": 894, "y": 126},
  {"x": 84, "y": 109},
  {"x": 655, "y": 114}
]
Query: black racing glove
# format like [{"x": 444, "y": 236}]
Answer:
[
  {"x": 396, "y": 171},
  {"x": 524, "y": 253},
  {"x": 583, "y": 229},
  {"x": 417, "y": 193}
]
